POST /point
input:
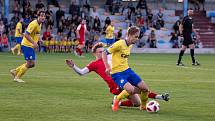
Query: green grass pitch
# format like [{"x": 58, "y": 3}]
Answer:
[{"x": 53, "y": 92}]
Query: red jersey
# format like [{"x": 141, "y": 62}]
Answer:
[
  {"x": 81, "y": 29},
  {"x": 98, "y": 66}
]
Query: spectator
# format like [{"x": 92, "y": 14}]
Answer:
[
  {"x": 116, "y": 6},
  {"x": 16, "y": 7},
  {"x": 152, "y": 39},
  {"x": 160, "y": 19},
  {"x": 26, "y": 5},
  {"x": 14, "y": 20},
  {"x": 2, "y": 27},
  {"x": 108, "y": 6},
  {"x": 47, "y": 34},
  {"x": 94, "y": 13},
  {"x": 97, "y": 24},
  {"x": 149, "y": 18},
  {"x": 49, "y": 18},
  {"x": 59, "y": 14},
  {"x": 174, "y": 40},
  {"x": 176, "y": 27},
  {"x": 140, "y": 24},
  {"x": 85, "y": 4},
  {"x": 142, "y": 4},
  {"x": 40, "y": 5},
  {"x": 74, "y": 9},
  {"x": 4, "y": 40},
  {"x": 53, "y": 2}
]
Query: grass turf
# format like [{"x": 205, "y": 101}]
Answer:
[{"x": 53, "y": 92}]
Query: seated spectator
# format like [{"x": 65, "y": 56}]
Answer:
[
  {"x": 74, "y": 8},
  {"x": 160, "y": 19},
  {"x": 116, "y": 6},
  {"x": 59, "y": 14},
  {"x": 16, "y": 7},
  {"x": 152, "y": 39},
  {"x": 140, "y": 24},
  {"x": 2, "y": 27},
  {"x": 174, "y": 40},
  {"x": 97, "y": 24},
  {"x": 47, "y": 34},
  {"x": 149, "y": 18},
  {"x": 176, "y": 27},
  {"x": 108, "y": 6},
  {"x": 86, "y": 4},
  {"x": 94, "y": 12},
  {"x": 4, "y": 40},
  {"x": 40, "y": 5}
]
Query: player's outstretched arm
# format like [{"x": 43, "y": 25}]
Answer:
[
  {"x": 105, "y": 60},
  {"x": 78, "y": 70}
]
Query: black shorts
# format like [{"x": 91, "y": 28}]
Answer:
[{"x": 187, "y": 39}]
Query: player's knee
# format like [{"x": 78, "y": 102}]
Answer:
[{"x": 31, "y": 65}]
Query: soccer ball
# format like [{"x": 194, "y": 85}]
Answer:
[{"x": 152, "y": 106}]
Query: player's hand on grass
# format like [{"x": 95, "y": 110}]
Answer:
[{"x": 70, "y": 63}]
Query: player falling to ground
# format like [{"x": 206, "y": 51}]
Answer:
[
  {"x": 186, "y": 29},
  {"x": 99, "y": 67},
  {"x": 28, "y": 45},
  {"x": 18, "y": 37},
  {"x": 120, "y": 72},
  {"x": 80, "y": 32}
]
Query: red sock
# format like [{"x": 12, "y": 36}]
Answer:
[
  {"x": 81, "y": 52},
  {"x": 78, "y": 50},
  {"x": 127, "y": 103},
  {"x": 152, "y": 95}
]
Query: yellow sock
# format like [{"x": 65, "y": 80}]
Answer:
[
  {"x": 17, "y": 46},
  {"x": 18, "y": 68},
  {"x": 19, "y": 49},
  {"x": 144, "y": 98},
  {"x": 21, "y": 71},
  {"x": 122, "y": 95}
]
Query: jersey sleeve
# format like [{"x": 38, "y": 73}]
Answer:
[
  {"x": 31, "y": 28},
  {"x": 115, "y": 47},
  {"x": 91, "y": 66},
  {"x": 79, "y": 27}
]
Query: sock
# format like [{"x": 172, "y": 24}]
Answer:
[
  {"x": 18, "y": 68},
  {"x": 144, "y": 98},
  {"x": 152, "y": 95},
  {"x": 122, "y": 95},
  {"x": 192, "y": 55},
  {"x": 159, "y": 97},
  {"x": 78, "y": 50},
  {"x": 127, "y": 103},
  {"x": 180, "y": 56},
  {"x": 22, "y": 71},
  {"x": 17, "y": 46}
]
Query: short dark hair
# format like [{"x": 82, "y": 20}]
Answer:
[{"x": 96, "y": 46}]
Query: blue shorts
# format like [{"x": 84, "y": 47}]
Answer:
[
  {"x": 110, "y": 41},
  {"x": 18, "y": 40},
  {"x": 28, "y": 52},
  {"x": 121, "y": 78}
]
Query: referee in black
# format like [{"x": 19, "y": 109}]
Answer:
[{"x": 186, "y": 29}]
